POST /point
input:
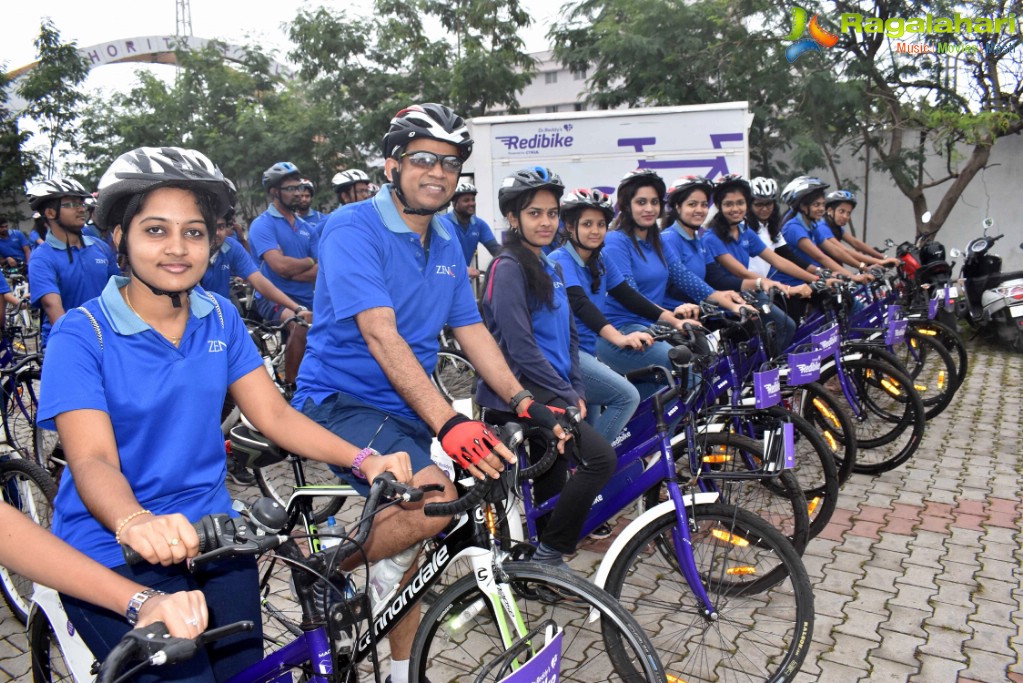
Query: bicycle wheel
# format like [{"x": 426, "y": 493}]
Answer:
[
  {"x": 950, "y": 339},
  {"x": 756, "y": 582},
  {"x": 815, "y": 468},
  {"x": 827, "y": 415},
  {"x": 454, "y": 376},
  {"x": 778, "y": 500},
  {"x": 46, "y": 450},
  {"x": 932, "y": 369},
  {"x": 48, "y": 662},
  {"x": 461, "y": 633},
  {"x": 28, "y": 488},
  {"x": 278, "y": 482},
  {"x": 891, "y": 421}
]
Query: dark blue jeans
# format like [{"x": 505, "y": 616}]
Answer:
[{"x": 231, "y": 588}]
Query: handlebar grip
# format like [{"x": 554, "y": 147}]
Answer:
[
  {"x": 542, "y": 465},
  {"x": 463, "y": 504},
  {"x": 680, "y": 355},
  {"x": 208, "y": 529}
]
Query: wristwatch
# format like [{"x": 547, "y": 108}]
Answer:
[
  {"x": 360, "y": 457},
  {"x": 301, "y": 309},
  {"x": 518, "y": 398},
  {"x": 136, "y": 602}
]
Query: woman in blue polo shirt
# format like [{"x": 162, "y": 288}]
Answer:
[
  {"x": 525, "y": 307},
  {"x": 134, "y": 381},
  {"x": 731, "y": 244},
  {"x": 611, "y": 399}
]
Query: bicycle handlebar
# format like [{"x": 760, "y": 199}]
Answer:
[{"x": 22, "y": 362}]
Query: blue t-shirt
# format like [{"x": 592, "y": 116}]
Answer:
[
  {"x": 75, "y": 277},
  {"x": 578, "y": 275},
  {"x": 793, "y": 231},
  {"x": 14, "y": 245},
  {"x": 643, "y": 270},
  {"x": 34, "y": 239},
  {"x": 230, "y": 259},
  {"x": 271, "y": 230},
  {"x": 469, "y": 236},
  {"x": 687, "y": 267},
  {"x": 164, "y": 405},
  {"x": 369, "y": 258}
]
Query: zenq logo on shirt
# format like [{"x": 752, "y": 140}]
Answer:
[
  {"x": 216, "y": 346},
  {"x": 447, "y": 270}
]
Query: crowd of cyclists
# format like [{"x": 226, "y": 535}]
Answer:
[{"x": 143, "y": 343}]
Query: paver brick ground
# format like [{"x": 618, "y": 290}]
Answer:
[{"x": 919, "y": 574}]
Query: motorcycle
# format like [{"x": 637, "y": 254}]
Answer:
[
  {"x": 928, "y": 274},
  {"x": 994, "y": 300}
]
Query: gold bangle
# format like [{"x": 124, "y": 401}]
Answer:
[{"x": 120, "y": 527}]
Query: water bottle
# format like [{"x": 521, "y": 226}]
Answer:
[
  {"x": 385, "y": 577},
  {"x": 341, "y": 584}
]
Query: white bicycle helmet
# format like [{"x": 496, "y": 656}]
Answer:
[
  {"x": 464, "y": 188},
  {"x": 764, "y": 188},
  {"x": 431, "y": 121},
  {"x": 800, "y": 188},
  {"x": 345, "y": 179}
]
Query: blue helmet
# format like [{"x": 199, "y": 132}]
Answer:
[{"x": 273, "y": 176}]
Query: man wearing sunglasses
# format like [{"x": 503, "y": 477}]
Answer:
[
  {"x": 393, "y": 275},
  {"x": 285, "y": 247},
  {"x": 68, "y": 268}
]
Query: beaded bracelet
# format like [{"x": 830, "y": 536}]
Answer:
[{"x": 120, "y": 527}]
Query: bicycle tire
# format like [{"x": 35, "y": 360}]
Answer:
[
  {"x": 46, "y": 449},
  {"x": 48, "y": 662},
  {"x": 29, "y": 489},
  {"x": 455, "y": 376},
  {"x": 815, "y": 468},
  {"x": 764, "y": 626},
  {"x": 779, "y": 501},
  {"x": 932, "y": 369},
  {"x": 950, "y": 339},
  {"x": 831, "y": 420},
  {"x": 613, "y": 648},
  {"x": 278, "y": 482},
  {"x": 891, "y": 425}
]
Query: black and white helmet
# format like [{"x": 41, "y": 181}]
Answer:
[
  {"x": 464, "y": 188},
  {"x": 44, "y": 191},
  {"x": 800, "y": 188},
  {"x": 639, "y": 178},
  {"x": 764, "y": 188},
  {"x": 585, "y": 198},
  {"x": 431, "y": 121},
  {"x": 146, "y": 168},
  {"x": 345, "y": 179},
  {"x": 527, "y": 180},
  {"x": 732, "y": 182}
]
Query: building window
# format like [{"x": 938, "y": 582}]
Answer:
[
  {"x": 579, "y": 106},
  {"x": 550, "y": 77},
  {"x": 551, "y": 109},
  {"x": 579, "y": 75}
]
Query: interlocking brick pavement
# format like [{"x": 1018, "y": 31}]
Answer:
[{"x": 919, "y": 577}]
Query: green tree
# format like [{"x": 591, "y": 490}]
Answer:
[
  {"x": 52, "y": 90},
  {"x": 862, "y": 97},
  {"x": 17, "y": 165}
]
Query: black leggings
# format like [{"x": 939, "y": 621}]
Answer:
[{"x": 593, "y": 469}]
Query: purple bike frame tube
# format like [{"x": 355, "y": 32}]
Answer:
[{"x": 312, "y": 647}]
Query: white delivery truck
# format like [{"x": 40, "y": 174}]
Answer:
[{"x": 596, "y": 148}]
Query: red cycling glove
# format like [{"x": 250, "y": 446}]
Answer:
[{"x": 466, "y": 441}]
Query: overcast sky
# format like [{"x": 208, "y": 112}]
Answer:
[{"x": 234, "y": 21}]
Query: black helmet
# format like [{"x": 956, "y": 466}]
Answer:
[
  {"x": 800, "y": 188},
  {"x": 639, "y": 178},
  {"x": 431, "y": 121},
  {"x": 730, "y": 183},
  {"x": 840, "y": 197},
  {"x": 681, "y": 187},
  {"x": 146, "y": 168},
  {"x": 44, "y": 191},
  {"x": 273, "y": 176},
  {"x": 528, "y": 180},
  {"x": 932, "y": 252},
  {"x": 585, "y": 198}
]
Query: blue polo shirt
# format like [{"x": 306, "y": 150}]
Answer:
[
  {"x": 230, "y": 259},
  {"x": 687, "y": 267},
  {"x": 369, "y": 258},
  {"x": 91, "y": 230},
  {"x": 163, "y": 401},
  {"x": 578, "y": 275},
  {"x": 33, "y": 238},
  {"x": 793, "y": 231},
  {"x": 469, "y": 236},
  {"x": 271, "y": 230},
  {"x": 75, "y": 277},
  {"x": 14, "y": 244},
  {"x": 315, "y": 219},
  {"x": 746, "y": 245},
  {"x": 642, "y": 269}
]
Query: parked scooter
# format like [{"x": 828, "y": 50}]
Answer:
[
  {"x": 926, "y": 267},
  {"x": 994, "y": 300}
]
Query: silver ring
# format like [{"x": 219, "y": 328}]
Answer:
[
  {"x": 194, "y": 621},
  {"x": 173, "y": 541}
]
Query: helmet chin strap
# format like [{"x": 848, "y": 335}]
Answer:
[
  {"x": 396, "y": 183},
  {"x": 175, "y": 297}
]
